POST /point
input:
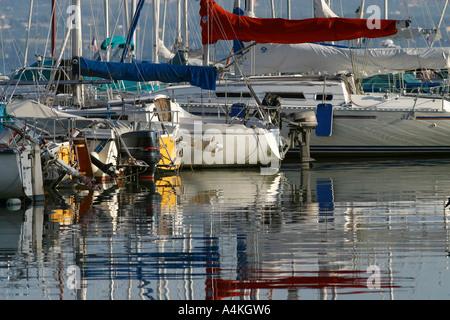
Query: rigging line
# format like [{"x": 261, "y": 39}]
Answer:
[
  {"x": 359, "y": 63},
  {"x": 30, "y": 16},
  {"x": 221, "y": 28},
  {"x": 48, "y": 33},
  {"x": 14, "y": 43},
  {"x": 242, "y": 51},
  {"x": 369, "y": 46},
  {"x": 142, "y": 34},
  {"x": 412, "y": 38},
  {"x": 430, "y": 18},
  {"x": 447, "y": 29},
  {"x": 194, "y": 27},
  {"x": 115, "y": 84},
  {"x": 410, "y": 16},
  {"x": 117, "y": 21},
  {"x": 3, "y": 50},
  {"x": 133, "y": 27},
  {"x": 259, "y": 108}
]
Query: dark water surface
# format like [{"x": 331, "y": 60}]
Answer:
[{"x": 341, "y": 230}]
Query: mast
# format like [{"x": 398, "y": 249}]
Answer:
[
  {"x": 163, "y": 31},
  {"x": 237, "y": 4},
  {"x": 178, "y": 39},
  {"x": 250, "y": 7},
  {"x": 132, "y": 28},
  {"x": 53, "y": 29},
  {"x": 133, "y": 12},
  {"x": 77, "y": 49},
  {"x": 186, "y": 26},
  {"x": 156, "y": 8},
  {"x": 107, "y": 35},
  {"x": 288, "y": 9},
  {"x": 360, "y": 13},
  {"x": 127, "y": 16},
  {"x": 386, "y": 9},
  {"x": 205, "y": 47}
]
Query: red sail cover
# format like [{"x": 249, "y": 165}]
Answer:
[{"x": 219, "y": 24}]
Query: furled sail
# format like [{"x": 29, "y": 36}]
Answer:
[
  {"x": 331, "y": 59},
  {"x": 200, "y": 76},
  {"x": 219, "y": 24}
]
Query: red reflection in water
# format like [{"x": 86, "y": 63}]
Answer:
[{"x": 217, "y": 288}]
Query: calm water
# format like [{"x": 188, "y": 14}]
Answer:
[{"x": 343, "y": 230}]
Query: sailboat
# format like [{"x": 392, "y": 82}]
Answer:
[
  {"x": 349, "y": 122},
  {"x": 204, "y": 141},
  {"x": 29, "y": 162},
  {"x": 109, "y": 147},
  {"x": 197, "y": 141}
]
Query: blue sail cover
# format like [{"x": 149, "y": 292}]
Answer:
[{"x": 200, "y": 76}]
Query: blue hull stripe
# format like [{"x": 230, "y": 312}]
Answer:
[{"x": 354, "y": 117}]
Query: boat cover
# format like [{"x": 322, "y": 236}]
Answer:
[
  {"x": 200, "y": 76},
  {"x": 331, "y": 59}
]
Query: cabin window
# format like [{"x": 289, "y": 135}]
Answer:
[
  {"x": 323, "y": 97},
  {"x": 290, "y": 95},
  {"x": 233, "y": 94}
]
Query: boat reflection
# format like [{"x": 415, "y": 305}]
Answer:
[
  {"x": 21, "y": 229},
  {"x": 213, "y": 234}
]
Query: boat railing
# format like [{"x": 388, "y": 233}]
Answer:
[
  {"x": 219, "y": 109},
  {"x": 51, "y": 128},
  {"x": 235, "y": 112},
  {"x": 43, "y": 79},
  {"x": 415, "y": 88},
  {"x": 32, "y": 76},
  {"x": 19, "y": 134}
]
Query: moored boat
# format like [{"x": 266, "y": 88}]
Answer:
[{"x": 348, "y": 122}]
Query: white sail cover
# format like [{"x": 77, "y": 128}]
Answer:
[
  {"x": 311, "y": 57},
  {"x": 330, "y": 59}
]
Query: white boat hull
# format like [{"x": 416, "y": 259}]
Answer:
[
  {"x": 207, "y": 141},
  {"x": 12, "y": 185},
  {"x": 222, "y": 145},
  {"x": 385, "y": 132},
  {"x": 213, "y": 142}
]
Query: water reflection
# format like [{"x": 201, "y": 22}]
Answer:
[{"x": 220, "y": 234}]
